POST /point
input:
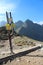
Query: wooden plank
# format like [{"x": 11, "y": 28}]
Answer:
[{"x": 19, "y": 54}]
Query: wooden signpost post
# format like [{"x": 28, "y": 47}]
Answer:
[{"x": 9, "y": 27}]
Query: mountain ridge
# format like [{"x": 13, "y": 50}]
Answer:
[
  {"x": 32, "y": 30},
  {"x": 29, "y": 29}
]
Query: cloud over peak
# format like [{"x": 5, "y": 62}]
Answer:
[{"x": 40, "y": 22}]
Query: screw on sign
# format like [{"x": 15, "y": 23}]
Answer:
[{"x": 8, "y": 28}]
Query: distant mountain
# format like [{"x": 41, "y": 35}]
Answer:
[
  {"x": 2, "y": 23},
  {"x": 18, "y": 24},
  {"x": 30, "y": 29}
]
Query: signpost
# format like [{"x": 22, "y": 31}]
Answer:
[{"x": 10, "y": 26}]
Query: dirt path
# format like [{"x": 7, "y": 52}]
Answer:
[{"x": 33, "y": 58}]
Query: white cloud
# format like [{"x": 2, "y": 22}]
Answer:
[
  {"x": 40, "y": 22},
  {"x": 7, "y": 7}
]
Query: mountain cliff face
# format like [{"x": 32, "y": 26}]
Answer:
[
  {"x": 18, "y": 24},
  {"x": 31, "y": 30}
]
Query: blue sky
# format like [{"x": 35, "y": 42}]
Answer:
[{"x": 22, "y": 10}]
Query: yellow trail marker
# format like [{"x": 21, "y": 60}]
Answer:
[
  {"x": 12, "y": 25},
  {"x": 8, "y": 27}
]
